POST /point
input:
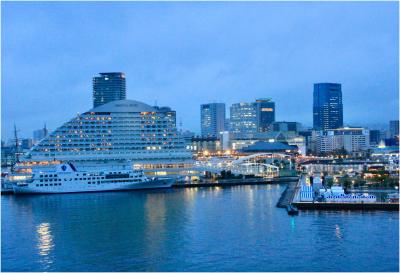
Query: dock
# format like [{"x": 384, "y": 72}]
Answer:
[
  {"x": 323, "y": 205},
  {"x": 287, "y": 195},
  {"x": 238, "y": 182},
  {"x": 346, "y": 206}
]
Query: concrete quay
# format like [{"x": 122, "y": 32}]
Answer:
[{"x": 237, "y": 182}]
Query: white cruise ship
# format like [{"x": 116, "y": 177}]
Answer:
[{"x": 65, "y": 178}]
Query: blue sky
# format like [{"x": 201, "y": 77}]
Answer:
[{"x": 185, "y": 54}]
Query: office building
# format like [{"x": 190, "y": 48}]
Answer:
[
  {"x": 394, "y": 128},
  {"x": 286, "y": 126},
  {"x": 108, "y": 87},
  {"x": 327, "y": 106},
  {"x": 265, "y": 110},
  {"x": 248, "y": 119},
  {"x": 243, "y": 119},
  {"x": 212, "y": 119}
]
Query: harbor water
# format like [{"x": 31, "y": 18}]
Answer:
[{"x": 190, "y": 229}]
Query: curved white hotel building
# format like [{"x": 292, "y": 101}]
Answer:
[{"x": 115, "y": 132}]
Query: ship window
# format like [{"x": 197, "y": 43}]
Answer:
[
  {"x": 98, "y": 182},
  {"x": 60, "y": 184},
  {"x": 51, "y": 184},
  {"x": 80, "y": 178},
  {"x": 41, "y": 175},
  {"x": 55, "y": 175},
  {"x": 41, "y": 180},
  {"x": 76, "y": 179},
  {"x": 59, "y": 179},
  {"x": 50, "y": 175},
  {"x": 84, "y": 178},
  {"x": 37, "y": 185},
  {"x": 45, "y": 175},
  {"x": 46, "y": 185}
]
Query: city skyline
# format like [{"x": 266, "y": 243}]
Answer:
[{"x": 233, "y": 68}]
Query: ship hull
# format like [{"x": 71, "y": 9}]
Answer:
[{"x": 80, "y": 187}]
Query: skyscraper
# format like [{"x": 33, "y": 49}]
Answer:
[
  {"x": 108, "y": 87},
  {"x": 328, "y": 107},
  {"x": 247, "y": 119},
  {"x": 212, "y": 119},
  {"x": 265, "y": 114},
  {"x": 243, "y": 118}
]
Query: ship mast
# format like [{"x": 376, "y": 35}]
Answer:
[{"x": 16, "y": 154}]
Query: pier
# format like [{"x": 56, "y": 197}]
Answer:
[
  {"x": 293, "y": 194},
  {"x": 238, "y": 182}
]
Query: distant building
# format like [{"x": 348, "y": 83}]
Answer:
[
  {"x": 40, "y": 134},
  {"x": 394, "y": 128},
  {"x": 268, "y": 147},
  {"x": 327, "y": 106},
  {"x": 243, "y": 119},
  {"x": 265, "y": 111},
  {"x": 248, "y": 119},
  {"x": 375, "y": 137},
  {"x": 26, "y": 143},
  {"x": 225, "y": 140},
  {"x": 286, "y": 126},
  {"x": 108, "y": 87},
  {"x": 206, "y": 144},
  {"x": 347, "y": 139},
  {"x": 212, "y": 119}
]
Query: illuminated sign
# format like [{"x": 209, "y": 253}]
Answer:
[{"x": 267, "y": 109}]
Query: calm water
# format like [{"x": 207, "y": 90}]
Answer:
[{"x": 230, "y": 229}]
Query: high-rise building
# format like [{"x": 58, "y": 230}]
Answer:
[
  {"x": 243, "y": 118},
  {"x": 328, "y": 107},
  {"x": 394, "y": 128},
  {"x": 212, "y": 119},
  {"x": 108, "y": 87},
  {"x": 265, "y": 114},
  {"x": 248, "y": 119}
]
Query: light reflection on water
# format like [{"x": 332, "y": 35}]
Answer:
[{"x": 194, "y": 229}]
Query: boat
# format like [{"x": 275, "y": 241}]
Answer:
[{"x": 66, "y": 178}]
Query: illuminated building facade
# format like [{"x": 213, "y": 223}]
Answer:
[
  {"x": 116, "y": 131},
  {"x": 108, "y": 87},
  {"x": 212, "y": 119},
  {"x": 248, "y": 119},
  {"x": 327, "y": 106}
]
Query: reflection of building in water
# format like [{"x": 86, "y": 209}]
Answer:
[{"x": 45, "y": 244}]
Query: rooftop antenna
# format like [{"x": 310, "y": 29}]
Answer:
[{"x": 155, "y": 102}]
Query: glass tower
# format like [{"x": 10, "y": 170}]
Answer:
[
  {"x": 108, "y": 87},
  {"x": 328, "y": 107},
  {"x": 212, "y": 119}
]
